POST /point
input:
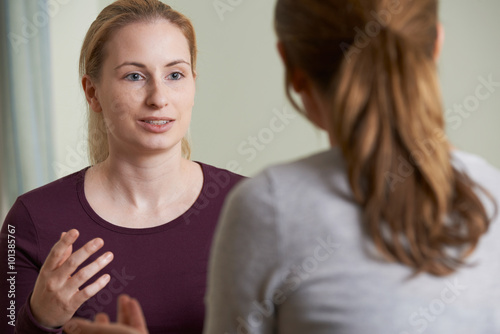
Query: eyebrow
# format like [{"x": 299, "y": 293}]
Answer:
[{"x": 172, "y": 63}]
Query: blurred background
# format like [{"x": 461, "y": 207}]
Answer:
[{"x": 241, "y": 119}]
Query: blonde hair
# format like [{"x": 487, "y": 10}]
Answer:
[
  {"x": 115, "y": 16},
  {"x": 374, "y": 61}
]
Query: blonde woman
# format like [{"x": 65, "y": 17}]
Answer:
[
  {"x": 140, "y": 220},
  {"x": 389, "y": 231}
]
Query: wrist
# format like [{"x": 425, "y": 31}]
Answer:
[{"x": 39, "y": 320}]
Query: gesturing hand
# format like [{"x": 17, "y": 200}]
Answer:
[
  {"x": 130, "y": 321},
  {"x": 56, "y": 295}
]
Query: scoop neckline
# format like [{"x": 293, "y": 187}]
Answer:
[{"x": 128, "y": 230}]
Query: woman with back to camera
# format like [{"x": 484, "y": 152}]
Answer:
[
  {"x": 154, "y": 209},
  {"x": 389, "y": 231}
]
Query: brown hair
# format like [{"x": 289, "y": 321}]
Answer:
[
  {"x": 115, "y": 16},
  {"x": 374, "y": 62}
]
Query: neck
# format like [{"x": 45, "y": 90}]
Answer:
[{"x": 143, "y": 182}]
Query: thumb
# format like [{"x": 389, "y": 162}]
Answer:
[
  {"x": 81, "y": 326},
  {"x": 75, "y": 326},
  {"x": 130, "y": 313},
  {"x": 137, "y": 319}
]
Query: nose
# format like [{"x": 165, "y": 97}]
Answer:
[{"x": 157, "y": 94}]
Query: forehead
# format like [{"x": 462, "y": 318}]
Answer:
[{"x": 158, "y": 40}]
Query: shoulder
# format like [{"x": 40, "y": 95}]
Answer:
[
  {"x": 478, "y": 169},
  {"x": 221, "y": 179},
  {"x": 294, "y": 179},
  {"x": 288, "y": 186},
  {"x": 56, "y": 191},
  {"x": 40, "y": 214},
  {"x": 46, "y": 205},
  {"x": 472, "y": 163},
  {"x": 310, "y": 168}
]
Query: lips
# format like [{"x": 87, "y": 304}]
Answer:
[
  {"x": 156, "y": 124},
  {"x": 162, "y": 122},
  {"x": 157, "y": 120}
]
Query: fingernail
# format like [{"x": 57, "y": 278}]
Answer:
[
  {"x": 97, "y": 243},
  {"x": 108, "y": 256},
  {"x": 73, "y": 233},
  {"x": 124, "y": 297}
]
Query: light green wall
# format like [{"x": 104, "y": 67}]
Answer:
[
  {"x": 471, "y": 51},
  {"x": 240, "y": 84},
  {"x": 68, "y": 29}
]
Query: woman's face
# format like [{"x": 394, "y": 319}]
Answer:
[{"x": 146, "y": 88}]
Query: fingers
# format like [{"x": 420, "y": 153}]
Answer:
[
  {"x": 122, "y": 314},
  {"x": 84, "y": 274},
  {"x": 130, "y": 313},
  {"x": 60, "y": 250},
  {"x": 101, "y": 318},
  {"x": 56, "y": 295},
  {"x": 80, "y": 326},
  {"x": 78, "y": 257},
  {"x": 136, "y": 316},
  {"x": 77, "y": 326},
  {"x": 66, "y": 254},
  {"x": 130, "y": 321},
  {"x": 82, "y": 296}
]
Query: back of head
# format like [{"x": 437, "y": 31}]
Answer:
[
  {"x": 374, "y": 62},
  {"x": 115, "y": 16}
]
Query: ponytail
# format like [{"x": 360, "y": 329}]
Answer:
[
  {"x": 387, "y": 118},
  {"x": 388, "y": 122}
]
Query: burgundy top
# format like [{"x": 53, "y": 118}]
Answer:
[{"x": 164, "y": 267}]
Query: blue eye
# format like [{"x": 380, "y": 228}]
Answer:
[
  {"x": 175, "y": 76},
  {"x": 134, "y": 77}
]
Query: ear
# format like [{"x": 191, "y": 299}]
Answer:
[
  {"x": 298, "y": 78},
  {"x": 195, "y": 76},
  {"x": 281, "y": 51},
  {"x": 90, "y": 90},
  {"x": 439, "y": 41},
  {"x": 303, "y": 86}
]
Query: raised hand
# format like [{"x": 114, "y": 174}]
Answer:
[
  {"x": 56, "y": 295},
  {"x": 130, "y": 321}
]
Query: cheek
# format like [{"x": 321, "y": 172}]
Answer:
[
  {"x": 116, "y": 111},
  {"x": 185, "y": 100},
  {"x": 121, "y": 106}
]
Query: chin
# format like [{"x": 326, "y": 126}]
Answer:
[{"x": 160, "y": 147}]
